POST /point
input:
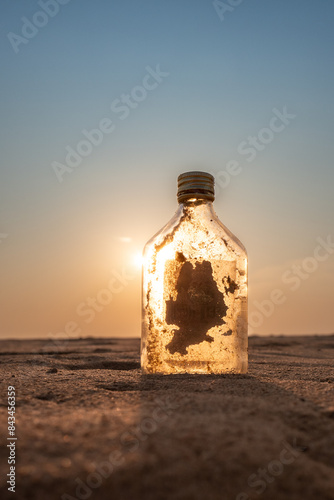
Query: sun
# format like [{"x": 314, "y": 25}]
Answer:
[{"x": 138, "y": 260}]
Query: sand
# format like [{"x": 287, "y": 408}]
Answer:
[{"x": 89, "y": 425}]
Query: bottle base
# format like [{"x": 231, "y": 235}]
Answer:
[{"x": 196, "y": 367}]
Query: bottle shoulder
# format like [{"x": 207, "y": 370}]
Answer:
[
  {"x": 161, "y": 236},
  {"x": 234, "y": 240},
  {"x": 199, "y": 232}
]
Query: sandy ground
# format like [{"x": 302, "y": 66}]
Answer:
[{"x": 89, "y": 425}]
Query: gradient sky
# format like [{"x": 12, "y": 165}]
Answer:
[{"x": 61, "y": 243}]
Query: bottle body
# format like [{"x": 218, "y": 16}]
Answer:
[{"x": 194, "y": 303}]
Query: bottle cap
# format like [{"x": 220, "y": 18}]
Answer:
[{"x": 195, "y": 185}]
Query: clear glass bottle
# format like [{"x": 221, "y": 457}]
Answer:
[{"x": 194, "y": 302}]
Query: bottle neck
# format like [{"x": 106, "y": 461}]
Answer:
[{"x": 194, "y": 206}]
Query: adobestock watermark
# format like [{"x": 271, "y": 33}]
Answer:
[
  {"x": 92, "y": 305},
  {"x": 258, "y": 481},
  {"x": 3, "y": 236},
  {"x": 122, "y": 107},
  {"x": 129, "y": 441},
  {"x": 104, "y": 296},
  {"x": 293, "y": 278},
  {"x": 30, "y": 27},
  {"x": 253, "y": 145},
  {"x": 86, "y": 309},
  {"x": 227, "y": 6}
]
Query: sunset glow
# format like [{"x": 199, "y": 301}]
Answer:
[{"x": 173, "y": 87}]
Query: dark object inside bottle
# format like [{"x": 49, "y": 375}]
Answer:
[{"x": 199, "y": 306}]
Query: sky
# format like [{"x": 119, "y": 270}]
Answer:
[{"x": 105, "y": 103}]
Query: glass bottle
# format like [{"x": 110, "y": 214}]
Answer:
[{"x": 194, "y": 302}]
